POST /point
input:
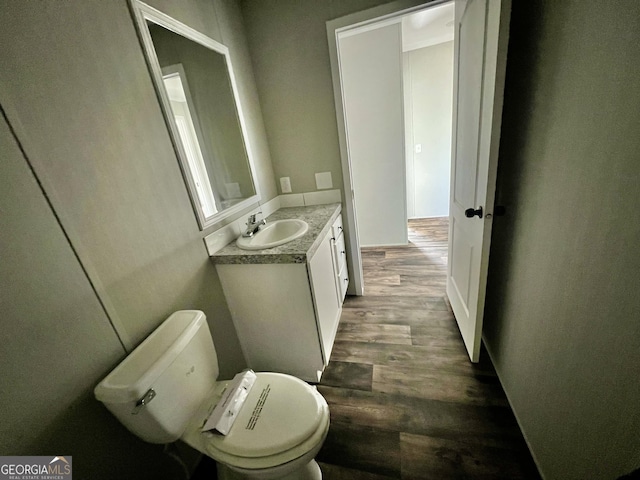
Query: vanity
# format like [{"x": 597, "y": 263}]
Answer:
[{"x": 286, "y": 301}]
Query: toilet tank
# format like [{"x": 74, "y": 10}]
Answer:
[{"x": 156, "y": 390}]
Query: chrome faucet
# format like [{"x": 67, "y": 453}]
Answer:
[{"x": 253, "y": 225}]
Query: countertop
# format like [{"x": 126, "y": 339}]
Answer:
[{"x": 319, "y": 217}]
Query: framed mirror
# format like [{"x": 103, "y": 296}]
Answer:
[{"x": 194, "y": 80}]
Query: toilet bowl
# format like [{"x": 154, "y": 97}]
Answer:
[{"x": 167, "y": 387}]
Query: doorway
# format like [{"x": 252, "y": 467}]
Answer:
[
  {"x": 480, "y": 57},
  {"x": 397, "y": 155}
]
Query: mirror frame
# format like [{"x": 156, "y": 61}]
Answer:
[{"x": 143, "y": 13}]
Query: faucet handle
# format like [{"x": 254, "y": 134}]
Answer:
[{"x": 253, "y": 219}]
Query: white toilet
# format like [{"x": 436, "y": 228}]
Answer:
[{"x": 167, "y": 387}]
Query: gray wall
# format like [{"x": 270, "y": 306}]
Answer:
[
  {"x": 562, "y": 319},
  {"x": 56, "y": 341},
  {"x": 290, "y": 54},
  {"x": 428, "y": 97},
  {"x": 77, "y": 92}
]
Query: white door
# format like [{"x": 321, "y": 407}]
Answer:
[{"x": 479, "y": 65}]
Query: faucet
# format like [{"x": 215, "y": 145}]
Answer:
[{"x": 253, "y": 225}]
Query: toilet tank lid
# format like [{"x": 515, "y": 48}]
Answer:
[{"x": 133, "y": 377}]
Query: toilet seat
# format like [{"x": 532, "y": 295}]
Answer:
[
  {"x": 282, "y": 419},
  {"x": 311, "y": 445}
]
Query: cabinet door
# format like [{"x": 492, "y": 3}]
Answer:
[
  {"x": 340, "y": 254},
  {"x": 273, "y": 312},
  {"x": 336, "y": 228},
  {"x": 343, "y": 283},
  {"x": 340, "y": 267},
  {"x": 323, "y": 286}
]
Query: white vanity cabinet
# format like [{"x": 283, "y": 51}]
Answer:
[
  {"x": 286, "y": 314},
  {"x": 323, "y": 286}
]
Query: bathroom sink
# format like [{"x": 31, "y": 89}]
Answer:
[{"x": 274, "y": 234}]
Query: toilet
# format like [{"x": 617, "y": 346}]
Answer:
[{"x": 167, "y": 387}]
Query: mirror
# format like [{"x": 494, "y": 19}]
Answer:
[{"x": 197, "y": 90}]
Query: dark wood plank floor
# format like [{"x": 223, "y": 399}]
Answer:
[{"x": 405, "y": 400}]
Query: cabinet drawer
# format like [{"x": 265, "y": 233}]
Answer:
[
  {"x": 339, "y": 253},
  {"x": 336, "y": 228},
  {"x": 343, "y": 282}
]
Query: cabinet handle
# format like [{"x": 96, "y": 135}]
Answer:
[
  {"x": 343, "y": 252},
  {"x": 346, "y": 279}
]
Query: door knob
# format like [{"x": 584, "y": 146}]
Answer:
[{"x": 470, "y": 212}]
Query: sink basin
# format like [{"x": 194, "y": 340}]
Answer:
[{"x": 274, "y": 234}]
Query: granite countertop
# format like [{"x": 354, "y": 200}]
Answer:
[{"x": 319, "y": 217}]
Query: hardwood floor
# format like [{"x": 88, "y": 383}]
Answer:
[{"x": 405, "y": 400}]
